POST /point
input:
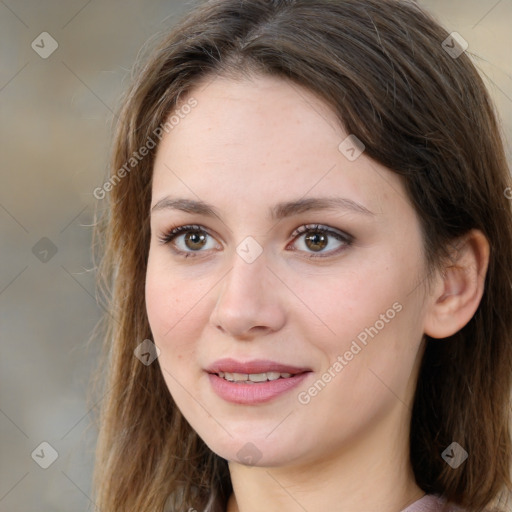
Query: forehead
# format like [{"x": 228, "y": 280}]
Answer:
[{"x": 265, "y": 140}]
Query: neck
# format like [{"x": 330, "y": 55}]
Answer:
[{"x": 372, "y": 472}]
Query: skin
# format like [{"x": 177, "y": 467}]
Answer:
[{"x": 249, "y": 144}]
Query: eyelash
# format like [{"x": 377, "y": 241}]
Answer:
[{"x": 175, "y": 231}]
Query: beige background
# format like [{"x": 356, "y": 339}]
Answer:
[{"x": 55, "y": 128}]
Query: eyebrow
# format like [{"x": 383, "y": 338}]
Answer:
[{"x": 277, "y": 212}]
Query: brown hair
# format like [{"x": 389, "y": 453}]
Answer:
[{"x": 421, "y": 112}]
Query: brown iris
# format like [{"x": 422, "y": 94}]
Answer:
[
  {"x": 196, "y": 238},
  {"x": 318, "y": 241}
]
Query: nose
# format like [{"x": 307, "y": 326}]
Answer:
[{"x": 251, "y": 300}]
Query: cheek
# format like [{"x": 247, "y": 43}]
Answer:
[
  {"x": 167, "y": 304},
  {"x": 170, "y": 310},
  {"x": 369, "y": 317},
  {"x": 169, "y": 298},
  {"x": 345, "y": 304}
]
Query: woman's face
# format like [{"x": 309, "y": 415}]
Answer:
[{"x": 326, "y": 323}]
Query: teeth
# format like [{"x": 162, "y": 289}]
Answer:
[
  {"x": 257, "y": 377},
  {"x": 253, "y": 377}
]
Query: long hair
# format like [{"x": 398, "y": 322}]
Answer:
[{"x": 421, "y": 110}]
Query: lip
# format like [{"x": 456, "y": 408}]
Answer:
[
  {"x": 257, "y": 392},
  {"x": 255, "y": 366}
]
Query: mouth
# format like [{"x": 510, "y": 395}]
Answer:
[
  {"x": 253, "y": 378},
  {"x": 254, "y": 381}
]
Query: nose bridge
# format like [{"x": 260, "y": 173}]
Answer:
[
  {"x": 247, "y": 298},
  {"x": 246, "y": 281}
]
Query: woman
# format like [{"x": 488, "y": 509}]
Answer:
[{"x": 308, "y": 249}]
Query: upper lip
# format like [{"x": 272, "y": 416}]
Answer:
[{"x": 255, "y": 366}]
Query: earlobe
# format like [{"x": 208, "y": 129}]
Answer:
[{"x": 459, "y": 287}]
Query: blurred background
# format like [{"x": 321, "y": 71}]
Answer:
[{"x": 63, "y": 67}]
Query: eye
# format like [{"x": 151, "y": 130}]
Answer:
[
  {"x": 189, "y": 239},
  {"x": 318, "y": 237},
  {"x": 193, "y": 238}
]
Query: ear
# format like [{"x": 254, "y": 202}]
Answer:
[{"x": 458, "y": 289}]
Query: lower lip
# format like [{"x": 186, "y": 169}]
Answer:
[{"x": 257, "y": 393}]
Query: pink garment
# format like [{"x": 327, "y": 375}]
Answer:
[{"x": 429, "y": 503}]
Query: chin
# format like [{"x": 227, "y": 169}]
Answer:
[{"x": 255, "y": 450}]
